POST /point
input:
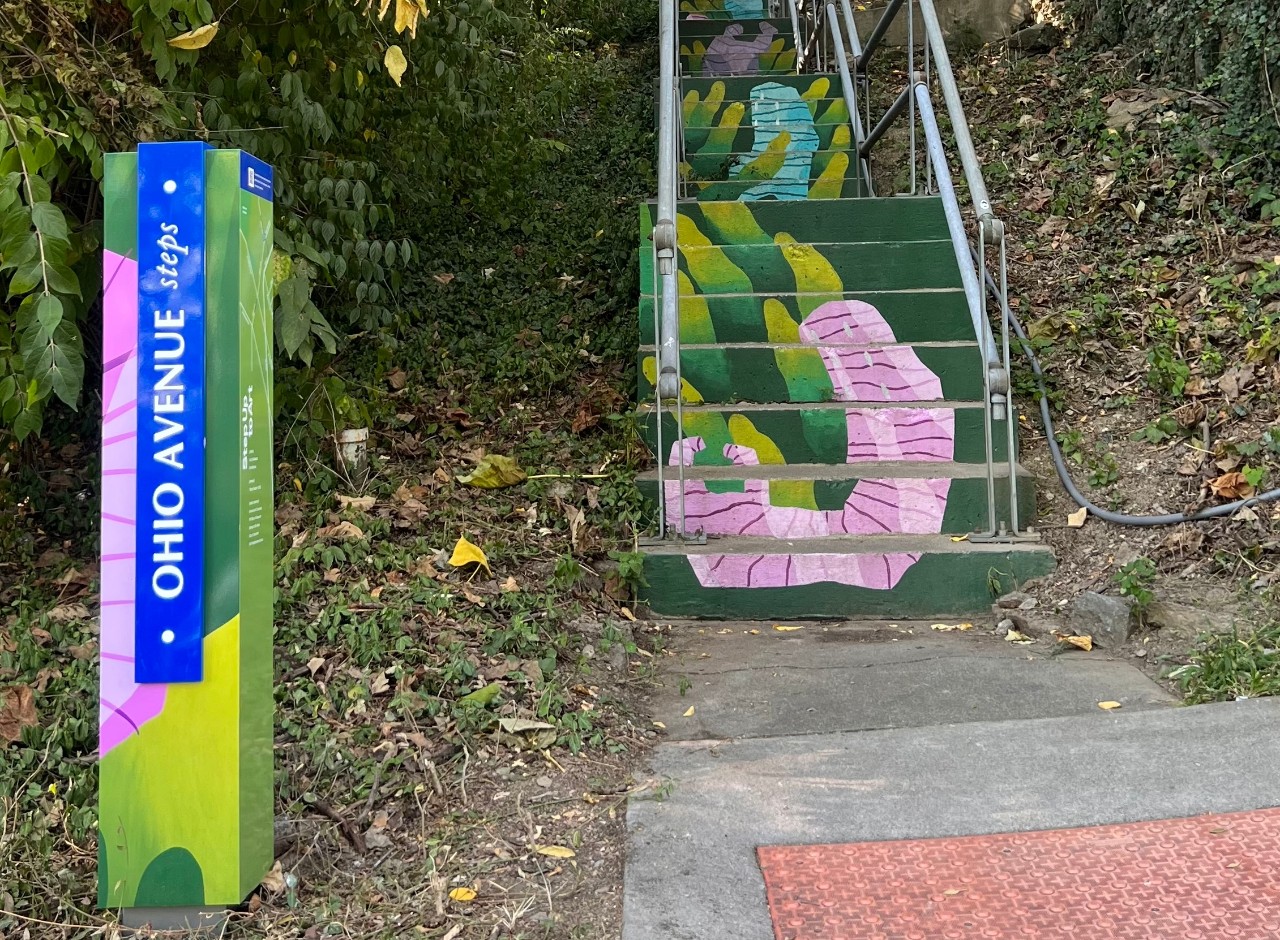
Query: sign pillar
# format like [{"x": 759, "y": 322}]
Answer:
[{"x": 185, "y": 733}]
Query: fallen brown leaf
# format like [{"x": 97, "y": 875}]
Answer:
[{"x": 17, "y": 711}]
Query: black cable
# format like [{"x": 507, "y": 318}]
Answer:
[{"x": 1064, "y": 474}]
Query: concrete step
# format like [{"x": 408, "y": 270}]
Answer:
[
  {"x": 740, "y": 138},
  {"x": 848, "y": 221},
  {"x": 744, "y": 87},
  {"x": 691, "y": 11},
  {"x": 751, "y": 26},
  {"x": 805, "y": 267},
  {"x": 803, "y": 372},
  {"x": 803, "y": 501},
  {"x": 910, "y": 316},
  {"x": 782, "y": 159},
  {"x": 843, "y": 182},
  {"x": 831, "y": 433},
  {"x": 901, "y": 576}
]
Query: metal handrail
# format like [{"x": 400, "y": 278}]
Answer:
[
  {"x": 850, "y": 91},
  {"x": 973, "y": 265},
  {"x": 667, "y": 383}
]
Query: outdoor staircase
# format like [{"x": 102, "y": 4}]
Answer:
[{"x": 832, "y": 438}]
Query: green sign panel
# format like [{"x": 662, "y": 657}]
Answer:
[{"x": 186, "y": 791}]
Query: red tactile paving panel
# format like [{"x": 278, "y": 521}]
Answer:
[{"x": 1205, "y": 878}]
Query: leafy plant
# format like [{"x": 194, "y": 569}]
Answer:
[
  {"x": 1238, "y": 665},
  {"x": 1134, "y": 580},
  {"x": 1167, "y": 373}
]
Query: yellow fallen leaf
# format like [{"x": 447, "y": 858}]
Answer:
[
  {"x": 689, "y": 713},
  {"x": 396, "y": 63},
  {"x": 1108, "y": 706},
  {"x": 626, "y": 612},
  {"x": 465, "y": 553},
  {"x": 754, "y": 632},
  {"x": 493, "y": 472},
  {"x": 555, "y": 851},
  {"x": 1085, "y": 642},
  {"x": 462, "y": 895},
  {"x": 196, "y": 38},
  {"x": 1016, "y": 636},
  {"x": 952, "y": 892},
  {"x": 658, "y": 724},
  {"x": 951, "y": 627},
  {"x": 510, "y": 586},
  {"x": 960, "y": 538},
  {"x": 1076, "y": 519},
  {"x": 781, "y": 629}
]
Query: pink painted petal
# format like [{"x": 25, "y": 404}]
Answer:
[
  {"x": 879, "y": 572},
  {"x": 688, "y": 448},
  {"x": 847, "y": 322}
]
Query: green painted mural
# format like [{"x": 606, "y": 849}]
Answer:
[{"x": 832, "y": 438}]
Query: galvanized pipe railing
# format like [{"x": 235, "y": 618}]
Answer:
[
  {"x": 916, "y": 99},
  {"x": 667, "y": 383}
]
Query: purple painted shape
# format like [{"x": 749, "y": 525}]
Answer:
[
  {"x": 876, "y": 506},
  {"x": 729, "y": 55},
  {"x": 124, "y": 706}
]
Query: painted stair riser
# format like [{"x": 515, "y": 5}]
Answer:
[
  {"x": 772, "y": 103},
  {"x": 806, "y": 164},
  {"x": 783, "y": 508},
  {"x": 911, "y": 316},
  {"x": 902, "y": 219},
  {"x": 740, "y": 88},
  {"x": 706, "y": 124},
  {"x": 792, "y": 267},
  {"x": 693, "y": 11},
  {"x": 797, "y": 373},
  {"x": 702, "y": 143},
  {"x": 828, "y": 434},
  {"x": 844, "y": 185},
  {"x": 934, "y": 584},
  {"x": 709, "y": 29}
]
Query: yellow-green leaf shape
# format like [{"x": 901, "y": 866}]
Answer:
[
  {"x": 795, "y": 493},
  {"x": 734, "y": 223},
  {"x": 816, "y": 280},
  {"x": 830, "y": 181},
  {"x": 769, "y": 162},
  {"x": 688, "y": 394},
  {"x": 708, "y": 265}
]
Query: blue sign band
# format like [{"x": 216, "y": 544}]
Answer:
[{"x": 169, "y": 605}]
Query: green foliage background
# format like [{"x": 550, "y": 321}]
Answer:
[
  {"x": 1230, "y": 48},
  {"x": 299, "y": 85}
]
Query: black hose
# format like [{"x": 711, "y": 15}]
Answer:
[{"x": 1119, "y": 518}]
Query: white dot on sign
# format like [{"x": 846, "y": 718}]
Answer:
[
  {"x": 166, "y": 637},
  {"x": 170, "y": 186}
]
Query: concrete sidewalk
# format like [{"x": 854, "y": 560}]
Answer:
[{"x": 970, "y": 735}]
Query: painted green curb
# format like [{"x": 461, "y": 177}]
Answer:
[
  {"x": 938, "y": 584},
  {"x": 914, "y": 316},
  {"x": 759, "y": 374}
]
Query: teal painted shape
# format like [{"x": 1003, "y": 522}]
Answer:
[
  {"x": 776, "y": 107},
  {"x": 173, "y": 879},
  {"x": 745, "y": 9}
]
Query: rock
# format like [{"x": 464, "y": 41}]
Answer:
[
  {"x": 1004, "y": 626},
  {"x": 1186, "y": 620},
  {"x": 618, "y": 657},
  {"x": 1109, "y": 620},
  {"x": 1019, "y": 621},
  {"x": 543, "y": 782},
  {"x": 1015, "y": 601},
  {"x": 1042, "y": 37},
  {"x": 1141, "y": 654}
]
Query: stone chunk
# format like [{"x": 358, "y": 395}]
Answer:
[{"x": 1109, "y": 620}]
